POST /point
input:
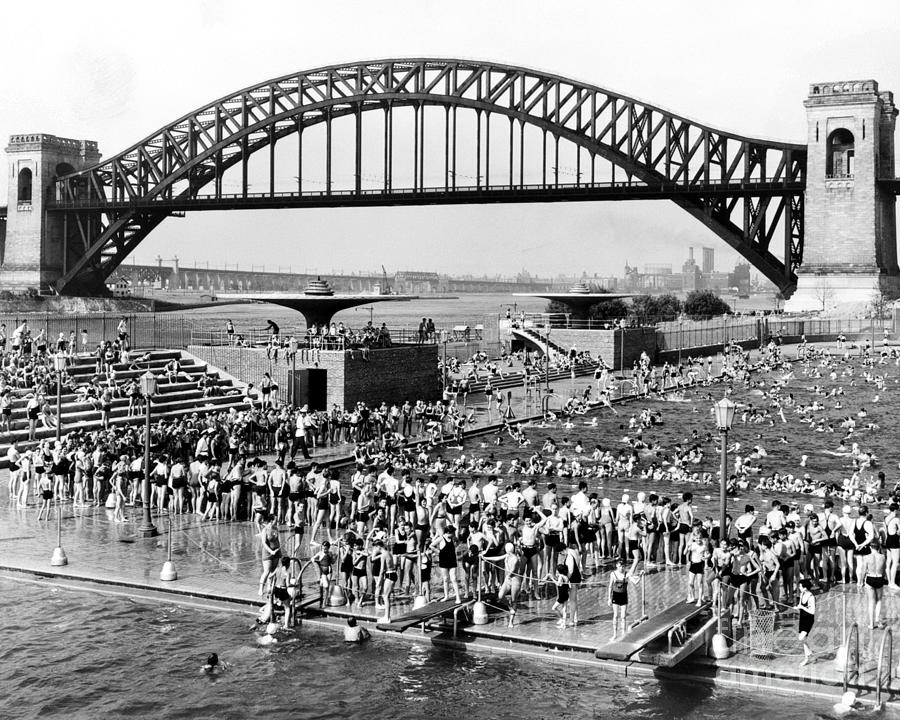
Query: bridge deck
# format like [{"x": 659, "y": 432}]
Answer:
[
  {"x": 441, "y": 195},
  {"x": 642, "y": 635}
]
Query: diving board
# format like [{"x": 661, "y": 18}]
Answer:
[
  {"x": 420, "y": 615},
  {"x": 642, "y": 635}
]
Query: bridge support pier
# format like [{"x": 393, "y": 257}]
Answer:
[
  {"x": 850, "y": 233},
  {"x": 35, "y": 251}
]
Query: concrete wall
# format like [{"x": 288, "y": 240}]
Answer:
[
  {"x": 389, "y": 374},
  {"x": 607, "y": 344}
]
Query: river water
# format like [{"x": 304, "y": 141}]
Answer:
[
  {"x": 77, "y": 654},
  {"x": 469, "y": 309},
  {"x": 472, "y": 310}
]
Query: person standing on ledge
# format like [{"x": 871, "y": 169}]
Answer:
[{"x": 807, "y": 608}]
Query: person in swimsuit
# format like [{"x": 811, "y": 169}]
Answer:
[
  {"x": 271, "y": 550},
  {"x": 807, "y": 609},
  {"x": 816, "y": 538},
  {"x": 445, "y": 545},
  {"x": 873, "y": 565},
  {"x": 45, "y": 486},
  {"x": 284, "y": 589},
  {"x": 324, "y": 561},
  {"x": 388, "y": 576},
  {"x": 531, "y": 549},
  {"x": 561, "y": 580},
  {"x": 892, "y": 544},
  {"x": 698, "y": 552},
  {"x": 862, "y": 536},
  {"x": 617, "y": 598},
  {"x": 359, "y": 571},
  {"x": 571, "y": 557},
  {"x": 513, "y": 565}
]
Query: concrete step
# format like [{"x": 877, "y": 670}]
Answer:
[
  {"x": 69, "y": 400},
  {"x": 171, "y": 410},
  {"x": 76, "y": 412},
  {"x": 201, "y": 410}
]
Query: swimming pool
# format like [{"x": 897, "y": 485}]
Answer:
[{"x": 79, "y": 654}]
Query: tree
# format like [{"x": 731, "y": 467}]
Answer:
[
  {"x": 648, "y": 309},
  {"x": 705, "y": 303}
]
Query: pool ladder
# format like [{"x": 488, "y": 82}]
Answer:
[{"x": 883, "y": 674}]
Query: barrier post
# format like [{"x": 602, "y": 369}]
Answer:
[
  {"x": 479, "y": 609},
  {"x": 59, "y": 555},
  {"x": 719, "y": 646},
  {"x": 168, "y": 572},
  {"x": 419, "y": 598}
]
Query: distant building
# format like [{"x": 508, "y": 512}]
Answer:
[
  {"x": 709, "y": 261},
  {"x": 658, "y": 269},
  {"x": 740, "y": 278},
  {"x": 691, "y": 278}
]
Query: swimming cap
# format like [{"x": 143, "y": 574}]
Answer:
[
  {"x": 605, "y": 502},
  {"x": 846, "y": 509},
  {"x": 641, "y": 496},
  {"x": 624, "y": 498},
  {"x": 509, "y": 547}
]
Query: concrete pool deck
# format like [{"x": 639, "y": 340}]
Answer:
[{"x": 218, "y": 564}]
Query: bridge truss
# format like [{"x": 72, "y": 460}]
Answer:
[{"x": 748, "y": 191}]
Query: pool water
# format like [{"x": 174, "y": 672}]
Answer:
[
  {"x": 78, "y": 654},
  {"x": 681, "y": 415}
]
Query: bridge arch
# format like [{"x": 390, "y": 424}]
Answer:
[{"x": 744, "y": 189}]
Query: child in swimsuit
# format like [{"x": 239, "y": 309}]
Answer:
[{"x": 561, "y": 579}]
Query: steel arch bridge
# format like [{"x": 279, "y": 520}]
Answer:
[{"x": 748, "y": 191}]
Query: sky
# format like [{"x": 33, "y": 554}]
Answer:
[{"x": 115, "y": 72}]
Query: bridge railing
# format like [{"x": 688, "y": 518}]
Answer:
[{"x": 665, "y": 188}]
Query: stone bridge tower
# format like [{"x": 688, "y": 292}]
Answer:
[
  {"x": 850, "y": 233},
  {"x": 32, "y": 255}
]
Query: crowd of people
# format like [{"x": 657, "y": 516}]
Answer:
[{"x": 441, "y": 518}]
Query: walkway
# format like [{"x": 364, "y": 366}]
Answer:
[{"x": 220, "y": 561}]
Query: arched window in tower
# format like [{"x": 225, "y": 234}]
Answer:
[
  {"x": 24, "y": 185},
  {"x": 840, "y": 158}
]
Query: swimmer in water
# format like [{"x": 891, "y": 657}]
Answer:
[
  {"x": 355, "y": 633},
  {"x": 212, "y": 666}
]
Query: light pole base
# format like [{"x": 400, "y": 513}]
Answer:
[
  {"x": 479, "y": 613},
  {"x": 58, "y": 557},
  {"x": 147, "y": 531},
  {"x": 719, "y": 647},
  {"x": 840, "y": 658},
  {"x": 168, "y": 572}
]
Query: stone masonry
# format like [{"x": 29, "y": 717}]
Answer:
[
  {"x": 389, "y": 374},
  {"x": 850, "y": 252},
  {"x": 32, "y": 255}
]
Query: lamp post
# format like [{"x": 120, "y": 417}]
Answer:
[
  {"x": 547, "y": 356},
  {"x": 59, "y": 364},
  {"x": 680, "y": 338},
  {"x": 148, "y": 388},
  {"x": 444, "y": 366},
  {"x": 292, "y": 349},
  {"x": 724, "y": 411}
]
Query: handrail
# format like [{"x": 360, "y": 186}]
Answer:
[
  {"x": 853, "y": 636},
  {"x": 889, "y": 637}
]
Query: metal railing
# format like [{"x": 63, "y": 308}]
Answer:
[
  {"x": 144, "y": 330},
  {"x": 756, "y": 184},
  {"x": 887, "y": 637},
  {"x": 852, "y": 638}
]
